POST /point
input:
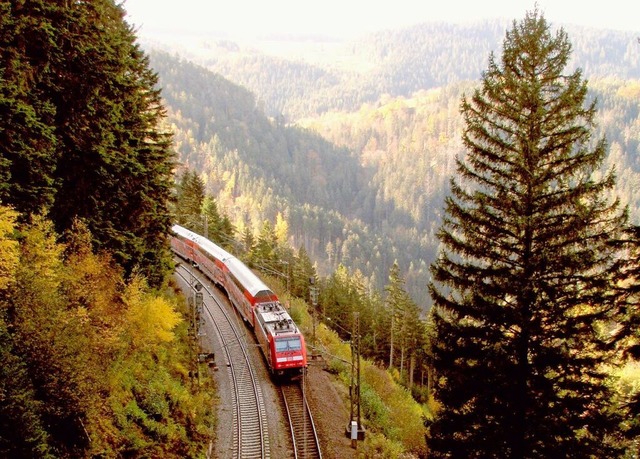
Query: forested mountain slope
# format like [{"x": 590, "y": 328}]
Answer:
[
  {"x": 342, "y": 76},
  {"x": 258, "y": 168},
  {"x": 370, "y": 189}
]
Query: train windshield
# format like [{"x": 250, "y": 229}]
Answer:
[{"x": 288, "y": 344}]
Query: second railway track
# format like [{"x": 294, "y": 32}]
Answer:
[{"x": 303, "y": 431}]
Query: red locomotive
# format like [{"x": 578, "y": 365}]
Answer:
[{"x": 278, "y": 336}]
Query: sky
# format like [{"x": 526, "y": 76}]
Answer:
[{"x": 350, "y": 18}]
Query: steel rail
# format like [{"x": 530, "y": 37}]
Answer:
[
  {"x": 303, "y": 431},
  {"x": 251, "y": 438}
]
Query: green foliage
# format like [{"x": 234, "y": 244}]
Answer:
[
  {"x": 303, "y": 272},
  {"x": 525, "y": 275},
  {"x": 22, "y": 433},
  {"x": 394, "y": 421},
  {"x": 28, "y": 145},
  {"x": 8, "y": 247},
  {"x": 55, "y": 343},
  {"x": 627, "y": 336},
  {"x": 400, "y": 418},
  {"x": 377, "y": 445},
  {"x": 189, "y": 201},
  {"x": 81, "y": 133},
  {"x": 265, "y": 249},
  {"x": 375, "y": 411},
  {"x": 154, "y": 412},
  {"x": 406, "y": 328}
]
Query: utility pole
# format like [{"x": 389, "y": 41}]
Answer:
[
  {"x": 313, "y": 293},
  {"x": 354, "y": 430},
  {"x": 198, "y": 322},
  {"x": 196, "y": 303}
]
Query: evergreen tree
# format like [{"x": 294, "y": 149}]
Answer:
[
  {"x": 303, "y": 271},
  {"x": 341, "y": 297},
  {"x": 248, "y": 240},
  {"x": 83, "y": 137},
  {"x": 27, "y": 141},
  {"x": 405, "y": 327},
  {"x": 375, "y": 339},
  {"x": 212, "y": 219},
  {"x": 227, "y": 232},
  {"x": 265, "y": 250},
  {"x": 410, "y": 337},
  {"x": 189, "y": 201},
  {"x": 397, "y": 300},
  {"x": 627, "y": 333},
  {"x": 524, "y": 276}
]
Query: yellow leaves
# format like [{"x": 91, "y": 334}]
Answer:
[
  {"x": 404, "y": 413},
  {"x": 93, "y": 280},
  {"x": 9, "y": 253},
  {"x": 628, "y": 380},
  {"x": 150, "y": 319},
  {"x": 96, "y": 347},
  {"x": 630, "y": 90},
  {"x": 281, "y": 229},
  {"x": 41, "y": 254}
]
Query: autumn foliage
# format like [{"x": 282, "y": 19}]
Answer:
[{"x": 91, "y": 364}]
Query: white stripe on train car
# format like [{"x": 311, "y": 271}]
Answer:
[{"x": 289, "y": 359}]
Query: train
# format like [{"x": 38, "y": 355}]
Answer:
[{"x": 279, "y": 338}]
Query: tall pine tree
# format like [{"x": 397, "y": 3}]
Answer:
[
  {"x": 397, "y": 301},
  {"x": 27, "y": 140},
  {"x": 627, "y": 333},
  {"x": 189, "y": 201},
  {"x": 82, "y": 133},
  {"x": 524, "y": 276},
  {"x": 116, "y": 163}
]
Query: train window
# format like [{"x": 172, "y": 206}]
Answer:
[
  {"x": 264, "y": 295},
  {"x": 288, "y": 344}
]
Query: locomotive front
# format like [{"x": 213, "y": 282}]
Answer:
[
  {"x": 290, "y": 355},
  {"x": 286, "y": 352}
]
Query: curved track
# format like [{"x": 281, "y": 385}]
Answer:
[
  {"x": 303, "y": 430},
  {"x": 251, "y": 438}
]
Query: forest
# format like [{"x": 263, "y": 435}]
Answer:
[
  {"x": 94, "y": 351},
  {"x": 476, "y": 311},
  {"x": 376, "y": 171},
  {"x": 357, "y": 157}
]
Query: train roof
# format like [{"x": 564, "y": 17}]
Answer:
[
  {"x": 218, "y": 252},
  {"x": 245, "y": 276},
  {"x": 276, "y": 319}
]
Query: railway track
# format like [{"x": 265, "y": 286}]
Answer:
[
  {"x": 250, "y": 430},
  {"x": 303, "y": 431}
]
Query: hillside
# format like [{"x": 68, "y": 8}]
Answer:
[
  {"x": 356, "y": 150},
  {"x": 296, "y": 78}
]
